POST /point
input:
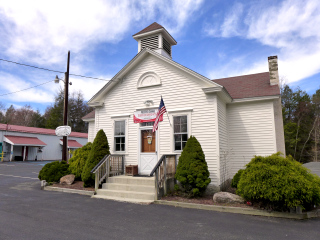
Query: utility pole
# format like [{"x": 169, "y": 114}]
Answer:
[{"x": 65, "y": 114}]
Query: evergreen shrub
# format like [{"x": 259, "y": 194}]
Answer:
[
  {"x": 99, "y": 148},
  {"x": 279, "y": 183},
  {"x": 52, "y": 172},
  {"x": 192, "y": 170},
  {"x": 78, "y": 160},
  {"x": 236, "y": 178}
]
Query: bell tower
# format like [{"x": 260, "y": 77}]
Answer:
[{"x": 157, "y": 38}]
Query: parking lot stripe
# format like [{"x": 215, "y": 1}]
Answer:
[{"x": 17, "y": 176}]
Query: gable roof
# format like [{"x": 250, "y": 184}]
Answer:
[
  {"x": 45, "y": 131},
  {"x": 248, "y": 86},
  {"x": 132, "y": 63},
  {"x": 90, "y": 115},
  {"x": 152, "y": 27}
]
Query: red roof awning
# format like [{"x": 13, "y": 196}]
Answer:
[
  {"x": 24, "y": 141},
  {"x": 72, "y": 143}
]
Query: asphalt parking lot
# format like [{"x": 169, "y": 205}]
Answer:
[{"x": 26, "y": 212}]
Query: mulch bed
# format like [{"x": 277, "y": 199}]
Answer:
[
  {"x": 207, "y": 200},
  {"x": 78, "y": 185}
]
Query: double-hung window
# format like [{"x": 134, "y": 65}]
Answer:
[
  {"x": 120, "y": 136},
  {"x": 180, "y": 132}
]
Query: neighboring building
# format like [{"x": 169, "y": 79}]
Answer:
[
  {"x": 30, "y": 143},
  {"x": 233, "y": 118}
]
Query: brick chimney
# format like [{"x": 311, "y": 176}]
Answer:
[{"x": 273, "y": 70}]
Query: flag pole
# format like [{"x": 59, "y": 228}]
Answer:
[{"x": 167, "y": 115}]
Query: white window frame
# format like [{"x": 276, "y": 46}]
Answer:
[
  {"x": 125, "y": 136},
  {"x": 176, "y": 113}
]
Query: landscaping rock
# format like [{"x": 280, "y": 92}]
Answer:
[
  {"x": 226, "y": 197},
  {"x": 68, "y": 179}
]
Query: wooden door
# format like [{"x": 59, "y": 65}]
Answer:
[{"x": 148, "y": 141}]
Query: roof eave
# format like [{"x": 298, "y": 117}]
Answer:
[
  {"x": 260, "y": 98},
  {"x": 97, "y": 101},
  {"x": 169, "y": 38},
  {"x": 88, "y": 119}
]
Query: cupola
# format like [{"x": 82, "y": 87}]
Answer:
[{"x": 157, "y": 38}]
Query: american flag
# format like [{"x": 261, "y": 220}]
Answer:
[{"x": 162, "y": 109}]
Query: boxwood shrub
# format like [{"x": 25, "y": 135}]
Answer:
[
  {"x": 78, "y": 160},
  {"x": 52, "y": 172},
  {"x": 279, "y": 183},
  {"x": 236, "y": 178},
  {"x": 192, "y": 170}
]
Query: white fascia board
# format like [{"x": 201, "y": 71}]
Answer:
[
  {"x": 30, "y": 145},
  {"x": 88, "y": 119},
  {"x": 219, "y": 90},
  {"x": 161, "y": 30},
  {"x": 7, "y": 140},
  {"x": 255, "y": 99},
  {"x": 97, "y": 97},
  {"x": 120, "y": 115},
  {"x": 117, "y": 77},
  {"x": 183, "y": 68},
  {"x": 180, "y": 110}
]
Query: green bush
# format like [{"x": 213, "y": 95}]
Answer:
[
  {"x": 236, "y": 178},
  {"x": 192, "y": 170},
  {"x": 52, "y": 172},
  {"x": 279, "y": 183},
  {"x": 78, "y": 160},
  {"x": 99, "y": 149}
]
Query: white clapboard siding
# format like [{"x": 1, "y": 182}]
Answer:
[
  {"x": 178, "y": 90},
  {"x": 91, "y": 131},
  {"x": 251, "y": 132},
  {"x": 223, "y": 141}
]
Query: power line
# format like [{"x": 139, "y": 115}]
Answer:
[
  {"x": 25, "y": 88},
  {"x": 50, "y": 70}
]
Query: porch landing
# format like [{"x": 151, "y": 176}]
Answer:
[{"x": 128, "y": 189}]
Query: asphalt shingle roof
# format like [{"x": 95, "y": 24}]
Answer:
[
  {"x": 152, "y": 27},
  {"x": 247, "y": 86},
  {"x": 90, "y": 115}
]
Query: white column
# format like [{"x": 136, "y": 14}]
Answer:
[
  {"x": 24, "y": 153},
  {"x": 11, "y": 153}
]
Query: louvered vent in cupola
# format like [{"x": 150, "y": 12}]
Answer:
[
  {"x": 150, "y": 42},
  {"x": 166, "y": 46}
]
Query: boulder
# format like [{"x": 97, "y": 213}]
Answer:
[
  {"x": 68, "y": 179},
  {"x": 226, "y": 197}
]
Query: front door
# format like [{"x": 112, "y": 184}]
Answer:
[{"x": 148, "y": 151}]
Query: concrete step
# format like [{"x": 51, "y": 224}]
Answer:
[
  {"x": 129, "y": 187},
  {"x": 131, "y": 200},
  {"x": 147, "y": 181},
  {"x": 126, "y": 194}
]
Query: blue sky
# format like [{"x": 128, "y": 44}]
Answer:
[{"x": 215, "y": 38}]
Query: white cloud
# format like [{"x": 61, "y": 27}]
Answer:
[
  {"x": 87, "y": 86},
  {"x": 292, "y": 27},
  {"x": 229, "y": 26},
  {"x": 41, "y": 94},
  {"x": 42, "y": 31}
]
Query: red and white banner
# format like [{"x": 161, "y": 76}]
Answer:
[{"x": 148, "y": 115}]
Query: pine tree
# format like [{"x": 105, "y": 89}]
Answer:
[{"x": 99, "y": 149}]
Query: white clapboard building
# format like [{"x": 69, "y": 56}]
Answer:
[
  {"x": 30, "y": 143},
  {"x": 233, "y": 118}
]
